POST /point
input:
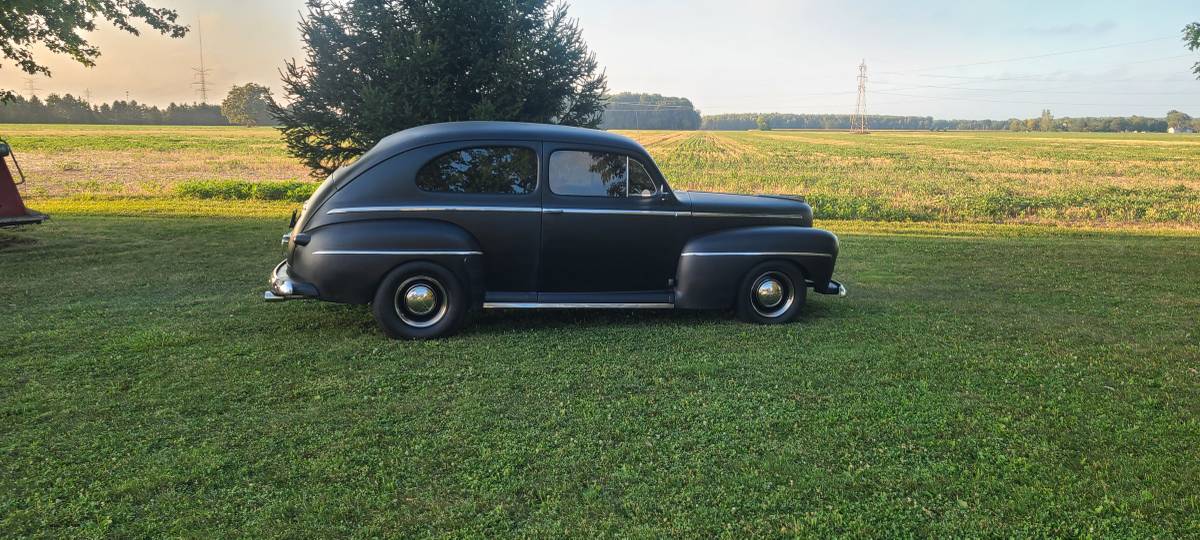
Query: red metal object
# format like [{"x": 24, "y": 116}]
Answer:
[{"x": 12, "y": 209}]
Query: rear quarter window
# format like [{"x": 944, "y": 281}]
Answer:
[{"x": 505, "y": 170}]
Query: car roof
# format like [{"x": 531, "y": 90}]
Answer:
[
  {"x": 403, "y": 141},
  {"x": 465, "y": 131}
]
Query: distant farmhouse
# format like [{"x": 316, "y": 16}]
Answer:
[{"x": 1180, "y": 129}]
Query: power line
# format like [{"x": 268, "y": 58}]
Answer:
[
  {"x": 965, "y": 86},
  {"x": 1045, "y": 77},
  {"x": 1046, "y": 55},
  {"x": 910, "y": 86},
  {"x": 1045, "y": 91},
  {"x": 982, "y": 100},
  {"x": 1049, "y": 77}
]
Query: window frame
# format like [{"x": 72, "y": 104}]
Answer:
[
  {"x": 658, "y": 186},
  {"x": 629, "y": 175},
  {"x": 473, "y": 145}
]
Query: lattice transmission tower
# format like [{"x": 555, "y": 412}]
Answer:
[
  {"x": 31, "y": 87},
  {"x": 858, "y": 123},
  {"x": 202, "y": 73}
]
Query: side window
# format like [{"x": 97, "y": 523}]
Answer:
[
  {"x": 508, "y": 170},
  {"x": 598, "y": 174},
  {"x": 640, "y": 183}
]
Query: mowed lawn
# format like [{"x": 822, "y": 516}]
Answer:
[
  {"x": 1096, "y": 179},
  {"x": 1014, "y": 379},
  {"x": 978, "y": 380}
]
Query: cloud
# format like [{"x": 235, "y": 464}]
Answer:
[{"x": 1073, "y": 29}]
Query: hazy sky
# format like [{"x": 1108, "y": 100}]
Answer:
[{"x": 949, "y": 59}]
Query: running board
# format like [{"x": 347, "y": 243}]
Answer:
[{"x": 578, "y": 305}]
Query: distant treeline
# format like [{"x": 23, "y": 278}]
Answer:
[
  {"x": 649, "y": 111},
  {"x": 740, "y": 121},
  {"x": 842, "y": 121},
  {"x": 624, "y": 111},
  {"x": 69, "y": 109},
  {"x": 653, "y": 111}
]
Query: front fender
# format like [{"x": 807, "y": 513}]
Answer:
[
  {"x": 713, "y": 265},
  {"x": 347, "y": 260}
]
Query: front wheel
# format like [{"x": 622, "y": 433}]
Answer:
[
  {"x": 771, "y": 293},
  {"x": 419, "y": 300}
]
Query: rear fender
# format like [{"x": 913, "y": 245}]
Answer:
[
  {"x": 347, "y": 260},
  {"x": 712, "y": 266}
]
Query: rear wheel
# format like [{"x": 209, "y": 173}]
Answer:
[
  {"x": 419, "y": 300},
  {"x": 771, "y": 293}
]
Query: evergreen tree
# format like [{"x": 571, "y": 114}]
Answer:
[{"x": 374, "y": 67}]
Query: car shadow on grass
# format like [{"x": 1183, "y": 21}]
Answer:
[
  {"x": 357, "y": 319},
  {"x": 493, "y": 321},
  {"x": 488, "y": 321}
]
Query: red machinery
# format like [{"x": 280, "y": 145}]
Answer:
[{"x": 12, "y": 209}]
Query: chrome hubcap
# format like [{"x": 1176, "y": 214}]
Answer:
[
  {"x": 772, "y": 294},
  {"x": 420, "y": 301},
  {"x": 769, "y": 292}
]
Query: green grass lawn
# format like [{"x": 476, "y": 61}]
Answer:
[{"x": 978, "y": 380}]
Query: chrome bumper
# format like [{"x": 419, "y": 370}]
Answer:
[
  {"x": 283, "y": 287},
  {"x": 832, "y": 288}
]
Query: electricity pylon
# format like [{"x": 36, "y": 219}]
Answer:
[
  {"x": 201, "y": 82},
  {"x": 858, "y": 123}
]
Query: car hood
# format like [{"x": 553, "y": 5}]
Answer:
[{"x": 748, "y": 205}]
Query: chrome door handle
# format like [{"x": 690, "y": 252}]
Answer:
[{"x": 552, "y": 211}]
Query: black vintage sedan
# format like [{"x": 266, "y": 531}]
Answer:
[{"x": 440, "y": 219}]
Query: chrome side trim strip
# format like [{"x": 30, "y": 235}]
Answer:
[
  {"x": 755, "y": 254},
  {"x": 613, "y": 211},
  {"x": 372, "y": 209},
  {"x": 731, "y": 214},
  {"x": 392, "y": 252},
  {"x": 533, "y": 209},
  {"x": 577, "y": 305}
]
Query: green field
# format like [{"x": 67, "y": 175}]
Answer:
[
  {"x": 1098, "y": 179},
  {"x": 980, "y": 379},
  {"x": 1092, "y": 179}
]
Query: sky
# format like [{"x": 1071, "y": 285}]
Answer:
[{"x": 947, "y": 59}]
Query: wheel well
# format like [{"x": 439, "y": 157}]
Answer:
[{"x": 799, "y": 267}]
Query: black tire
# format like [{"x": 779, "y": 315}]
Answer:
[
  {"x": 751, "y": 307},
  {"x": 392, "y": 310}
]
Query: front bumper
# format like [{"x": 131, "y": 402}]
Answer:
[{"x": 283, "y": 287}]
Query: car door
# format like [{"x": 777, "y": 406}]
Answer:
[
  {"x": 609, "y": 222},
  {"x": 488, "y": 188}
]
